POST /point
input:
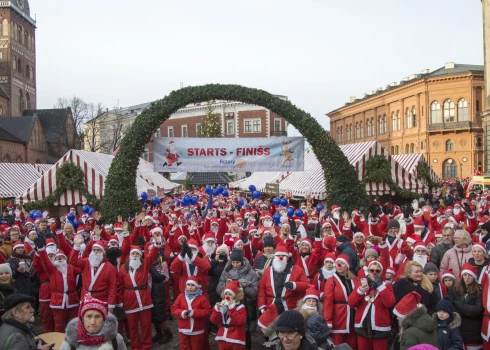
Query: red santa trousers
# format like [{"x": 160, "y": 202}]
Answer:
[
  {"x": 349, "y": 338},
  {"x": 371, "y": 344},
  {"x": 123, "y": 326},
  {"x": 143, "y": 318},
  {"x": 223, "y": 345},
  {"x": 48, "y": 320},
  {"x": 193, "y": 342},
  {"x": 62, "y": 317},
  {"x": 486, "y": 345}
]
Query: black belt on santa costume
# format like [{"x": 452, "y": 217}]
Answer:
[
  {"x": 69, "y": 291},
  {"x": 340, "y": 303},
  {"x": 45, "y": 282},
  {"x": 96, "y": 291},
  {"x": 143, "y": 287}
]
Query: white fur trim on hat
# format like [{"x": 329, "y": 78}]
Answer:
[
  {"x": 393, "y": 272},
  {"x": 470, "y": 273},
  {"x": 137, "y": 250},
  {"x": 281, "y": 254},
  {"x": 157, "y": 230},
  {"x": 411, "y": 240},
  {"x": 193, "y": 282},
  {"x": 229, "y": 291},
  {"x": 193, "y": 246},
  {"x": 50, "y": 250},
  {"x": 328, "y": 259},
  {"x": 342, "y": 260},
  {"x": 148, "y": 217},
  {"x": 305, "y": 241},
  {"x": 96, "y": 245},
  {"x": 420, "y": 246},
  {"x": 450, "y": 275},
  {"x": 310, "y": 296},
  {"x": 358, "y": 234}
]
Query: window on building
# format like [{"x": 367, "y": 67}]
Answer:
[
  {"x": 397, "y": 151},
  {"x": 449, "y": 169},
  {"x": 19, "y": 33},
  {"x": 414, "y": 116},
  {"x": 392, "y": 149},
  {"x": 170, "y": 131},
  {"x": 412, "y": 148},
  {"x": 449, "y": 145},
  {"x": 6, "y": 158},
  {"x": 357, "y": 131},
  {"x": 385, "y": 124},
  {"x": 462, "y": 110},
  {"x": 19, "y": 66},
  {"x": 422, "y": 145},
  {"x": 257, "y": 126},
  {"x": 230, "y": 127},
  {"x": 407, "y": 148},
  {"x": 277, "y": 125},
  {"x": 398, "y": 121},
  {"x": 361, "y": 130},
  {"x": 338, "y": 134},
  {"x": 19, "y": 159},
  {"x": 435, "y": 113},
  {"x": 368, "y": 128},
  {"x": 380, "y": 125},
  {"x": 184, "y": 131},
  {"x": 393, "y": 122},
  {"x": 448, "y": 111},
  {"x": 5, "y": 27},
  {"x": 372, "y": 127},
  {"x": 341, "y": 134},
  {"x": 477, "y": 106},
  {"x": 198, "y": 129},
  {"x": 14, "y": 63},
  {"x": 31, "y": 73},
  {"x": 478, "y": 142},
  {"x": 157, "y": 132},
  {"x": 248, "y": 126},
  {"x": 408, "y": 117},
  {"x": 21, "y": 101},
  {"x": 28, "y": 101}
]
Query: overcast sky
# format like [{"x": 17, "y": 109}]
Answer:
[{"x": 316, "y": 52}]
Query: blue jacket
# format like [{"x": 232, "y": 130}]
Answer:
[{"x": 448, "y": 335}]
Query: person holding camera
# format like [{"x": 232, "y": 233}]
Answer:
[{"x": 372, "y": 298}]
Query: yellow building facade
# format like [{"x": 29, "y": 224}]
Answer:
[{"x": 434, "y": 113}]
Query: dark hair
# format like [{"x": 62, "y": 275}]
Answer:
[{"x": 473, "y": 288}]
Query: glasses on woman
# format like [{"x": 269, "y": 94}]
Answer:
[
  {"x": 288, "y": 335},
  {"x": 373, "y": 271}
]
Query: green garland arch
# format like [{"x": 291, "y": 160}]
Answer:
[
  {"x": 69, "y": 177},
  {"x": 342, "y": 184}
]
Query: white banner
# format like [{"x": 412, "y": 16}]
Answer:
[{"x": 172, "y": 154}]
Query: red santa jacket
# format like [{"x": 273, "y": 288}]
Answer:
[
  {"x": 63, "y": 289},
  {"x": 100, "y": 283},
  {"x": 137, "y": 294},
  {"x": 232, "y": 328},
  {"x": 310, "y": 263},
  {"x": 267, "y": 292},
  {"x": 45, "y": 288},
  {"x": 378, "y": 226},
  {"x": 196, "y": 322},
  {"x": 485, "y": 327},
  {"x": 180, "y": 267},
  {"x": 379, "y": 309},
  {"x": 336, "y": 310}
]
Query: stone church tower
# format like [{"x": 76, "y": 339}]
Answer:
[{"x": 17, "y": 57}]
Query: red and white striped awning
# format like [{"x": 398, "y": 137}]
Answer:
[
  {"x": 16, "y": 177},
  {"x": 411, "y": 161},
  {"x": 259, "y": 180},
  {"x": 95, "y": 167}
]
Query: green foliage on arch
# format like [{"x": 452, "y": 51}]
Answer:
[{"x": 342, "y": 184}]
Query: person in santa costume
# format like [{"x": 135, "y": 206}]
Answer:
[
  {"x": 98, "y": 275},
  {"x": 192, "y": 309},
  {"x": 309, "y": 256},
  {"x": 45, "y": 288},
  {"x": 137, "y": 294},
  {"x": 467, "y": 301},
  {"x": 480, "y": 260},
  {"x": 190, "y": 262},
  {"x": 283, "y": 283},
  {"x": 336, "y": 311},
  {"x": 62, "y": 279},
  {"x": 372, "y": 298},
  {"x": 338, "y": 224},
  {"x": 231, "y": 316}
]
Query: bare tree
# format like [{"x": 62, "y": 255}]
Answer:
[
  {"x": 113, "y": 132},
  {"x": 91, "y": 135}
]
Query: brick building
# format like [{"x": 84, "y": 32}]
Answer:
[{"x": 434, "y": 113}]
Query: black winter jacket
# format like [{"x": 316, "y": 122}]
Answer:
[
  {"x": 405, "y": 285},
  {"x": 347, "y": 249},
  {"x": 470, "y": 307},
  {"x": 157, "y": 296},
  {"x": 215, "y": 273},
  {"x": 448, "y": 335}
]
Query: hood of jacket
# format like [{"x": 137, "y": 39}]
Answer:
[
  {"x": 109, "y": 330},
  {"x": 456, "y": 322},
  {"x": 237, "y": 273},
  {"x": 419, "y": 319},
  {"x": 308, "y": 313},
  {"x": 464, "y": 250}
]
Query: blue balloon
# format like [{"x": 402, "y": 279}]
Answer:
[
  {"x": 252, "y": 188},
  {"x": 215, "y": 192},
  {"x": 225, "y": 193},
  {"x": 299, "y": 213},
  {"x": 71, "y": 217},
  {"x": 241, "y": 202},
  {"x": 319, "y": 207},
  {"x": 144, "y": 196},
  {"x": 290, "y": 211},
  {"x": 194, "y": 200},
  {"x": 156, "y": 200},
  {"x": 38, "y": 214},
  {"x": 276, "y": 201},
  {"x": 276, "y": 218},
  {"x": 75, "y": 224},
  {"x": 91, "y": 211},
  {"x": 256, "y": 194},
  {"x": 187, "y": 200},
  {"x": 86, "y": 208},
  {"x": 220, "y": 189},
  {"x": 284, "y": 202},
  {"x": 209, "y": 190}
]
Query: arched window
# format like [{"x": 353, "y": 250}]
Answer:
[
  {"x": 31, "y": 73},
  {"x": 435, "y": 113},
  {"x": 5, "y": 27},
  {"x": 338, "y": 134},
  {"x": 341, "y": 134},
  {"x": 19, "y": 159},
  {"x": 407, "y": 148},
  {"x": 372, "y": 126},
  {"x": 448, "y": 111},
  {"x": 6, "y": 158},
  {"x": 449, "y": 145},
  {"x": 28, "y": 101},
  {"x": 408, "y": 116},
  {"x": 368, "y": 127},
  {"x": 19, "y": 66},
  {"x": 350, "y": 132},
  {"x": 19, "y": 33},
  {"x": 26, "y": 38},
  {"x": 398, "y": 121},
  {"x": 393, "y": 121},
  {"x": 14, "y": 63},
  {"x": 361, "y": 130},
  {"x": 21, "y": 101},
  {"x": 397, "y": 150},
  {"x": 421, "y": 144},
  {"x": 28, "y": 71},
  {"x": 449, "y": 169},
  {"x": 380, "y": 125},
  {"x": 462, "y": 110},
  {"x": 412, "y": 148},
  {"x": 392, "y": 149},
  {"x": 384, "y": 124},
  {"x": 414, "y": 116}
]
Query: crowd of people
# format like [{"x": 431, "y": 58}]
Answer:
[{"x": 384, "y": 276}]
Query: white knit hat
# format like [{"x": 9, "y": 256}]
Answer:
[{"x": 5, "y": 268}]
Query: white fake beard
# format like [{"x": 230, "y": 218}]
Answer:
[
  {"x": 267, "y": 223},
  {"x": 306, "y": 307},
  {"x": 61, "y": 265},
  {"x": 279, "y": 265},
  {"x": 421, "y": 259},
  {"x": 336, "y": 215},
  {"x": 28, "y": 241},
  {"x": 209, "y": 249},
  {"x": 327, "y": 273},
  {"x": 135, "y": 263},
  {"x": 95, "y": 259},
  {"x": 82, "y": 248},
  {"x": 456, "y": 211}
]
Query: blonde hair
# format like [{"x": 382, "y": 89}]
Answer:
[
  {"x": 425, "y": 283},
  {"x": 463, "y": 234}
]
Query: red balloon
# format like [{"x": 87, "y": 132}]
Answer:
[{"x": 427, "y": 209}]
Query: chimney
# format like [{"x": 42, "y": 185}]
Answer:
[
  {"x": 352, "y": 99},
  {"x": 425, "y": 71},
  {"x": 449, "y": 65}
]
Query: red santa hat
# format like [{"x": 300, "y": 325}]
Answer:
[
  {"x": 281, "y": 250},
  {"x": 50, "y": 242},
  {"x": 269, "y": 316},
  {"x": 72, "y": 208},
  {"x": 29, "y": 221},
  {"x": 209, "y": 236},
  {"x": 413, "y": 238},
  {"x": 418, "y": 223},
  {"x": 90, "y": 218},
  {"x": 113, "y": 238},
  {"x": 469, "y": 269},
  {"x": 448, "y": 273},
  {"x": 343, "y": 258},
  {"x": 334, "y": 207},
  {"x": 407, "y": 304},
  {"x": 101, "y": 245},
  {"x": 60, "y": 253},
  {"x": 307, "y": 241},
  {"x": 193, "y": 244},
  {"x": 438, "y": 233},
  {"x": 482, "y": 221},
  {"x": 194, "y": 280},
  {"x": 232, "y": 287},
  {"x": 157, "y": 229},
  {"x": 358, "y": 234},
  {"x": 252, "y": 229},
  {"x": 418, "y": 245},
  {"x": 453, "y": 220},
  {"x": 375, "y": 262},
  {"x": 18, "y": 244},
  {"x": 108, "y": 226},
  {"x": 137, "y": 249},
  {"x": 457, "y": 204},
  {"x": 391, "y": 270},
  {"x": 118, "y": 226},
  {"x": 236, "y": 240},
  {"x": 81, "y": 229},
  {"x": 480, "y": 245},
  {"x": 214, "y": 221},
  {"x": 329, "y": 257},
  {"x": 312, "y": 293}
]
